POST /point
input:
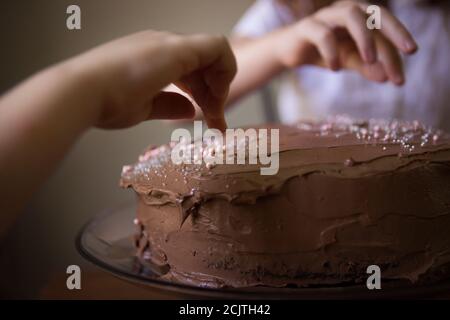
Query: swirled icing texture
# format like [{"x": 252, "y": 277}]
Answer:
[{"x": 348, "y": 194}]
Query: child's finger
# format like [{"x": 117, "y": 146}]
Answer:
[
  {"x": 324, "y": 39},
  {"x": 216, "y": 96},
  {"x": 170, "y": 105},
  {"x": 205, "y": 90},
  {"x": 395, "y": 31},
  {"x": 218, "y": 123},
  {"x": 373, "y": 71},
  {"x": 211, "y": 50},
  {"x": 214, "y": 70},
  {"x": 391, "y": 61},
  {"x": 363, "y": 37},
  {"x": 353, "y": 19},
  {"x": 388, "y": 66}
]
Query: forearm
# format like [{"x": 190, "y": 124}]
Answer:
[
  {"x": 257, "y": 62},
  {"x": 39, "y": 120},
  {"x": 261, "y": 59}
]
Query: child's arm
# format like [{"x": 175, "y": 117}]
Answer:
[
  {"x": 334, "y": 37},
  {"x": 115, "y": 85}
]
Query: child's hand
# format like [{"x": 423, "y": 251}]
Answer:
[
  {"x": 337, "y": 37},
  {"x": 128, "y": 75},
  {"x": 112, "y": 86}
]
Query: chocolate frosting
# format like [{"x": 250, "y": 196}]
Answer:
[{"x": 348, "y": 194}]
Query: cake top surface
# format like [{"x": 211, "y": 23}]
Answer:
[
  {"x": 404, "y": 136},
  {"x": 339, "y": 146}
]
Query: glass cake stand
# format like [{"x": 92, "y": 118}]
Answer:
[{"x": 106, "y": 241}]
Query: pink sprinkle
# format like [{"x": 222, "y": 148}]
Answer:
[
  {"x": 126, "y": 169},
  {"x": 435, "y": 137},
  {"x": 349, "y": 162}
]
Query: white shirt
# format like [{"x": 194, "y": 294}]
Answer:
[{"x": 313, "y": 92}]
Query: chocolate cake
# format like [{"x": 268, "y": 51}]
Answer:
[{"x": 348, "y": 194}]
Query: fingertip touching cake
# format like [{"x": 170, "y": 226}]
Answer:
[{"x": 348, "y": 194}]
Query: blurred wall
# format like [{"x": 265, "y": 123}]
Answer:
[{"x": 33, "y": 35}]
